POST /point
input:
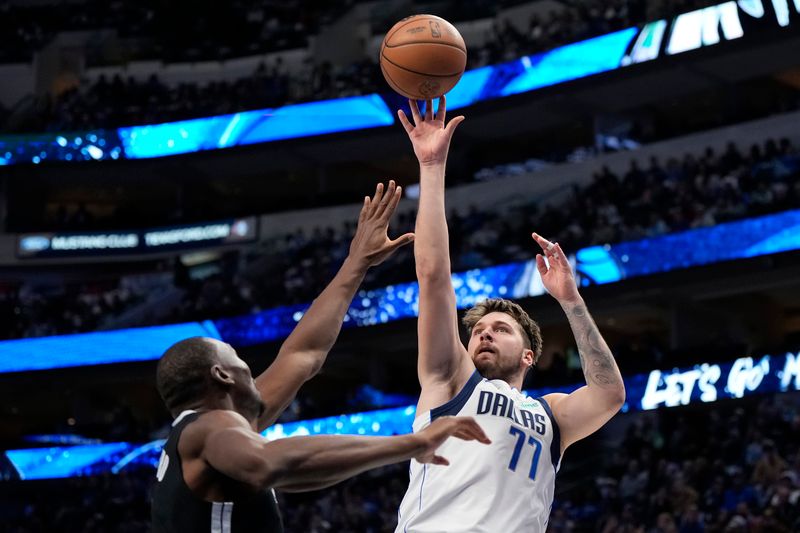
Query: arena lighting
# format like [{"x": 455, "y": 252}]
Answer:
[
  {"x": 98, "y": 348},
  {"x": 711, "y": 382},
  {"x": 250, "y": 127},
  {"x": 595, "y": 265},
  {"x": 61, "y": 438},
  {"x": 704, "y": 383},
  {"x": 63, "y": 461},
  {"x": 697, "y": 29}
]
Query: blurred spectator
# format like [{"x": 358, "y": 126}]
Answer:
[
  {"x": 668, "y": 502},
  {"x": 293, "y": 268},
  {"x": 216, "y": 31}
]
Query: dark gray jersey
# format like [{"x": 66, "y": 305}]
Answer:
[{"x": 175, "y": 509}]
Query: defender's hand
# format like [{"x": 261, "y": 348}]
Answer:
[
  {"x": 429, "y": 136},
  {"x": 464, "y": 428},
  {"x": 558, "y": 279},
  {"x": 371, "y": 244}
]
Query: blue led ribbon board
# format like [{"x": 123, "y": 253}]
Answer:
[
  {"x": 98, "y": 348},
  {"x": 570, "y": 62},
  {"x": 697, "y": 29},
  {"x": 95, "y": 145},
  {"x": 250, "y": 127},
  {"x": 595, "y": 265},
  {"x": 395, "y": 302},
  {"x": 769, "y": 234},
  {"x": 395, "y": 421},
  {"x": 66, "y": 461},
  {"x": 711, "y": 382},
  {"x": 562, "y": 64},
  {"x": 706, "y": 382}
]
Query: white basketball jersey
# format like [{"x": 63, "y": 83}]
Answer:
[{"x": 504, "y": 487}]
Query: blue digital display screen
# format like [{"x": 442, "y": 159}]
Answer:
[
  {"x": 95, "y": 145},
  {"x": 65, "y": 244},
  {"x": 560, "y": 65},
  {"x": 570, "y": 62},
  {"x": 769, "y": 234},
  {"x": 98, "y": 348},
  {"x": 706, "y": 382},
  {"x": 66, "y": 461},
  {"x": 387, "y": 304},
  {"x": 689, "y": 31},
  {"x": 595, "y": 265},
  {"x": 250, "y": 127},
  {"x": 709, "y": 382}
]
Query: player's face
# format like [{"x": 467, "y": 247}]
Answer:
[
  {"x": 245, "y": 392},
  {"x": 497, "y": 347},
  {"x": 250, "y": 394}
]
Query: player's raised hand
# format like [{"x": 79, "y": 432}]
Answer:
[
  {"x": 558, "y": 279},
  {"x": 371, "y": 243},
  {"x": 429, "y": 135},
  {"x": 462, "y": 427}
]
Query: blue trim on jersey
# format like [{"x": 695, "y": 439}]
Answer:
[
  {"x": 555, "y": 444},
  {"x": 457, "y": 403},
  {"x": 422, "y": 485}
]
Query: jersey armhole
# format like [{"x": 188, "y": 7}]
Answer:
[
  {"x": 555, "y": 444},
  {"x": 454, "y": 406},
  {"x": 182, "y": 420}
]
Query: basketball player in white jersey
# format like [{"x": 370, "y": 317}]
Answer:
[{"x": 508, "y": 486}]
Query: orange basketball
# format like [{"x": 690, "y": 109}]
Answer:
[{"x": 423, "y": 57}]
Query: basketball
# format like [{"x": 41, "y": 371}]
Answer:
[{"x": 423, "y": 57}]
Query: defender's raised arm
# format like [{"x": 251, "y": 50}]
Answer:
[{"x": 302, "y": 354}]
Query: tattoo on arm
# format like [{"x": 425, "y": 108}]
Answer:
[{"x": 597, "y": 362}]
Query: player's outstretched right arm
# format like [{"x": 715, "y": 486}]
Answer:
[
  {"x": 444, "y": 365},
  {"x": 312, "y": 463}
]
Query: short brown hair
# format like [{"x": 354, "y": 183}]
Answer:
[{"x": 530, "y": 328}]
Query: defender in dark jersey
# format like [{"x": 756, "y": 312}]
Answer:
[
  {"x": 176, "y": 507},
  {"x": 216, "y": 470}
]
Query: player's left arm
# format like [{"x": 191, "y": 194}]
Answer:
[
  {"x": 587, "y": 409},
  {"x": 303, "y": 353}
]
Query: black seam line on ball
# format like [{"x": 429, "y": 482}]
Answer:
[
  {"x": 394, "y": 84},
  {"x": 451, "y": 45},
  {"x": 421, "y": 73}
]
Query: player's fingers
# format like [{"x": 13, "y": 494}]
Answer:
[
  {"x": 541, "y": 241},
  {"x": 439, "y": 460},
  {"x": 415, "y": 111},
  {"x": 393, "y": 202},
  {"x": 376, "y": 199},
  {"x": 364, "y": 210},
  {"x": 546, "y": 245},
  {"x": 441, "y": 113},
  {"x": 560, "y": 257},
  {"x": 409, "y": 127},
  {"x": 401, "y": 241},
  {"x": 428, "y": 109},
  {"x": 470, "y": 435},
  {"x": 390, "y": 193},
  {"x": 541, "y": 266},
  {"x": 451, "y": 128},
  {"x": 472, "y": 429}
]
